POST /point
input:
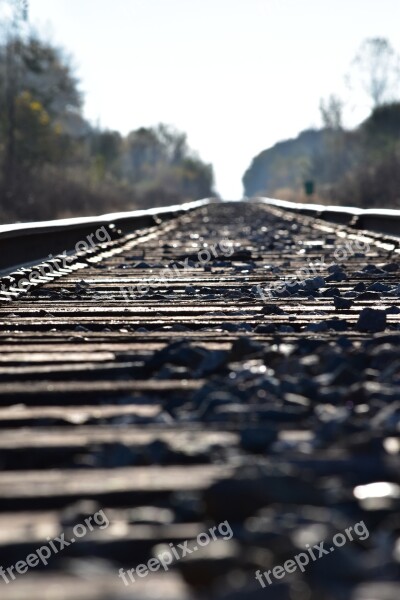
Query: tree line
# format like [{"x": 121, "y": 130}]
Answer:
[
  {"x": 359, "y": 166},
  {"x": 54, "y": 163}
]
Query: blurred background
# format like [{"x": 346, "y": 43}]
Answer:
[{"x": 130, "y": 104}]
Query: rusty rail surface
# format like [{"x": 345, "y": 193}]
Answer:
[{"x": 230, "y": 363}]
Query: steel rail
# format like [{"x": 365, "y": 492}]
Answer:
[
  {"x": 239, "y": 386},
  {"x": 380, "y": 220},
  {"x": 25, "y": 243}
]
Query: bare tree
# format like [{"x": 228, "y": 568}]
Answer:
[
  {"x": 331, "y": 111},
  {"x": 376, "y": 67}
]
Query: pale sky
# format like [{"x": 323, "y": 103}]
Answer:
[{"x": 236, "y": 75}]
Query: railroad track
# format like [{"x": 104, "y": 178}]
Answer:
[{"x": 231, "y": 363}]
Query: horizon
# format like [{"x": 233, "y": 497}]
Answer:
[{"x": 205, "y": 81}]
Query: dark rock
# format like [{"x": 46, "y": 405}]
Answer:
[
  {"x": 314, "y": 283},
  {"x": 213, "y": 361},
  {"x": 335, "y": 268},
  {"x": 242, "y": 255},
  {"x": 244, "y": 347},
  {"x": 141, "y": 265},
  {"x": 372, "y": 320},
  {"x": 331, "y": 291},
  {"x": 290, "y": 288},
  {"x": 393, "y": 310},
  {"x": 233, "y": 327},
  {"x": 388, "y": 418},
  {"x": 272, "y": 309},
  {"x": 360, "y": 287},
  {"x": 369, "y": 296},
  {"x": 257, "y": 439},
  {"x": 177, "y": 327},
  {"x": 373, "y": 270},
  {"x": 342, "y": 303},
  {"x": 344, "y": 342},
  {"x": 390, "y": 267},
  {"x": 268, "y": 328},
  {"x": 285, "y": 329},
  {"x": 178, "y": 353},
  {"x": 317, "y": 327},
  {"x": 377, "y": 286},
  {"x": 252, "y": 489},
  {"x": 211, "y": 401},
  {"x": 383, "y": 356},
  {"x": 337, "y": 276},
  {"x": 202, "y": 568}
]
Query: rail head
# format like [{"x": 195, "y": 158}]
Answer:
[
  {"x": 26, "y": 243},
  {"x": 378, "y": 220}
]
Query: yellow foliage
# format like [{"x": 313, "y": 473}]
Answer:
[
  {"x": 36, "y": 106},
  {"x": 44, "y": 118},
  {"x": 25, "y": 96}
]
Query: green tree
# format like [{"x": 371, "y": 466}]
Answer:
[{"x": 40, "y": 115}]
